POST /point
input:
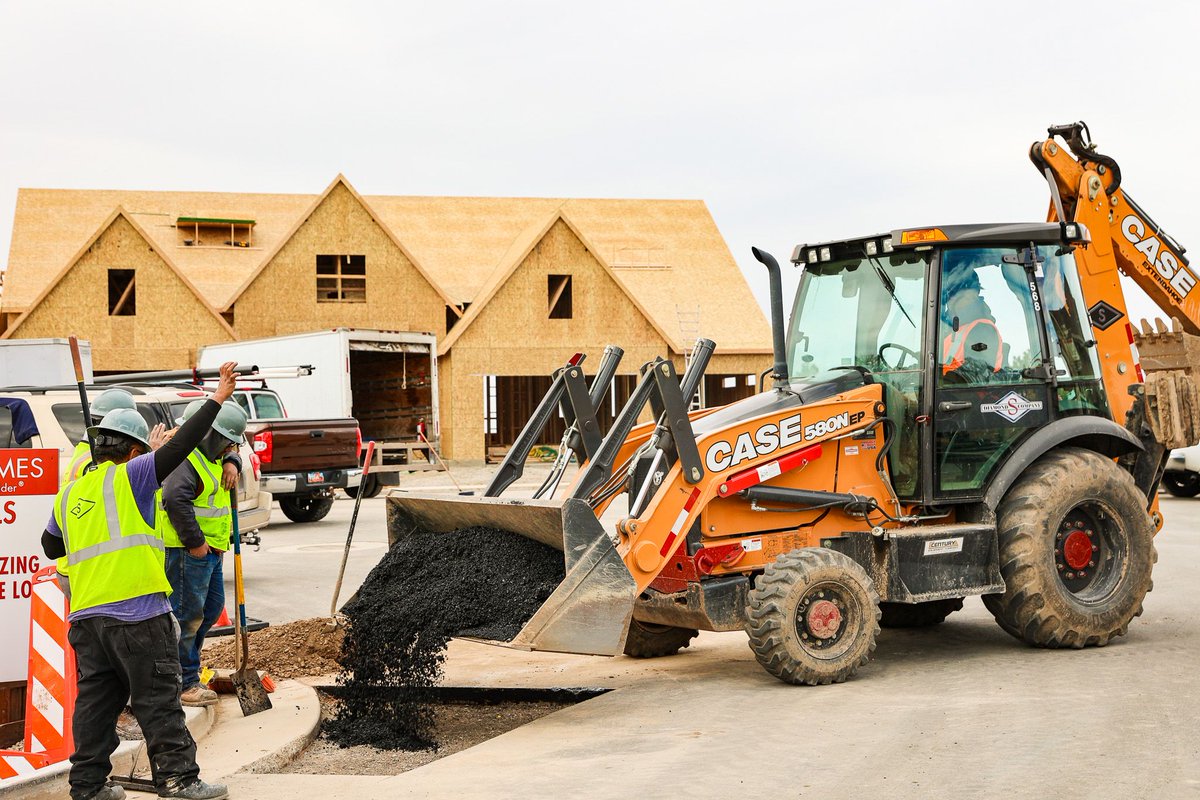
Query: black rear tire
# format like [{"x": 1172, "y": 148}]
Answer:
[
  {"x": 370, "y": 487},
  {"x": 1182, "y": 484},
  {"x": 1076, "y": 552},
  {"x": 918, "y": 615},
  {"x": 305, "y": 509},
  {"x": 647, "y": 640},
  {"x": 812, "y": 617}
]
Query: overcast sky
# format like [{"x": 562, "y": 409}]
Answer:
[{"x": 794, "y": 121}]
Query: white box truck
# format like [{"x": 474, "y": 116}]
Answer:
[
  {"x": 387, "y": 380},
  {"x": 42, "y": 362}
]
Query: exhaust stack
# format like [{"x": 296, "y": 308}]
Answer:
[{"x": 780, "y": 371}]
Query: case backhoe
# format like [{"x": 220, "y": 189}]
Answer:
[{"x": 954, "y": 410}]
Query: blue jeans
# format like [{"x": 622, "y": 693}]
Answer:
[{"x": 197, "y": 598}]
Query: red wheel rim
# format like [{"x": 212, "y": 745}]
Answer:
[{"x": 823, "y": 619}]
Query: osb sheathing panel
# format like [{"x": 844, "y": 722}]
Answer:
[
  {"x": 51, "y": 224},
  {"x": 513, "y": 334},
  {"x": 283, "y": 298},
  {"x": 170, "y": 323}
]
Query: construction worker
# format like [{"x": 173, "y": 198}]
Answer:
[
  {"x": 107, "y": 401},
  {"x": 195, "y": 528},
  {"x": 81, "y": 459},
  {"x": 122, "y": 630},
  {"x": 972, "y": 347}
]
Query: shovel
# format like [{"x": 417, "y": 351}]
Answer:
[
  {"x": 247, "y": 684},
  {"x": 337, "y": 589}
]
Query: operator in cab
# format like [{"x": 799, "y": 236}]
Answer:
[
  {"x": 125, "y": 638},
  {"x": 972, "y": 350}
]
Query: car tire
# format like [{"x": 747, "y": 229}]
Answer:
[
  {"x": 305, "y": 508},
  {"x": 1182, "y": 483}
]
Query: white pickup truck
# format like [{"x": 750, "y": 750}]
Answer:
[{"x": 58, "y": 423}]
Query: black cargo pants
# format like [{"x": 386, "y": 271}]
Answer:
[{"x": 138, "y": 662}]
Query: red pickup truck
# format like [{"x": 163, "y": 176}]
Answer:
[{"x": 304, "y": 460}]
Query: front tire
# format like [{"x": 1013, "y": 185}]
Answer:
[
  {"x": 1182, "y": 484},
  {"x": 1076, "y": 552},
  {"x": 812, "y": 617},
  {"x": 647, "y": 640},
  {"x": 305, "y": 509}
]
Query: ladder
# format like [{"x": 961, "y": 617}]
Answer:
[{"x": 689, "y": 328}]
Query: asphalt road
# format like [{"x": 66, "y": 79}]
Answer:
[{"x": 961, "y": 710}]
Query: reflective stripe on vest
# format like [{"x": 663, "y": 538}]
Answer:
[
  {"x": 211, "y": 507},
  {"x": 79, "y": 459},
  {"x": 113, "y": 555},
  {"x": 954, "y": 347}
]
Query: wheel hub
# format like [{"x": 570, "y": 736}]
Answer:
[
  {"x": 823, "y": 619},
  {"x": 1080, "y": 550},
  {"x": 1077, "y": 549}
]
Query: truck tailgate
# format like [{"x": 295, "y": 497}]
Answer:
[{"x": 299, "y": 445}]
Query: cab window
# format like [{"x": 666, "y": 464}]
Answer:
[{"x": 987, "y": 331}]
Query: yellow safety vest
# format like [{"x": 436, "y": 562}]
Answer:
[
  {"x": 212, "y": 507},
  {"x": 112, "y": 553},
  {"x": 79, "y": 460}
]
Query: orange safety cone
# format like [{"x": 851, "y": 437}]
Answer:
[
  {"x": 223, "y": 620},
  {"x": 50, "y": 693}
]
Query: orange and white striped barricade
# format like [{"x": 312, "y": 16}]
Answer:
[{"x": 51, "y": 690}]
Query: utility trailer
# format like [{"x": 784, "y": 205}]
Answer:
[{"x": 387, "y": 380}]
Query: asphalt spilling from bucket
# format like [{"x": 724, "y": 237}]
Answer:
[{"x": 478, "y": 582}]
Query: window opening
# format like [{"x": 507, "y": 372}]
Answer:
[
  {"x": 558, "y": 289},
  {"x": 122, "y": 293},
  {"x": 341, "y": 279}
]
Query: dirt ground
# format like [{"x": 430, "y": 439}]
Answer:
[
  {"x": 294, "y": 650},
  {"x": 457, "y": 727}
]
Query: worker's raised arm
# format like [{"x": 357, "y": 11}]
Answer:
[{"x": 176, "y": 451}]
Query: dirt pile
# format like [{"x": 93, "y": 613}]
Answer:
[
  {"x": 429, "y": 587},
  {"x": 305, "y": 647}
]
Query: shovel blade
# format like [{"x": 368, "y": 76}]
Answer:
[
  {"x": 590, "y": 610},
  {"x": 251, "y": 694}
]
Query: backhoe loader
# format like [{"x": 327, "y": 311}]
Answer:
[{"x": 953, "y": 410}]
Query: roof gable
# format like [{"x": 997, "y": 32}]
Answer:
[
  {"x": 520, "y": 249},
  {"x": 340, "y": 180},
  {"x": 117, "y": 214}
]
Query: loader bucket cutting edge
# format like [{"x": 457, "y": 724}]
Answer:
[{"x": 590, "y": 610}]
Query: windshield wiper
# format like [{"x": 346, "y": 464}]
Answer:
[{"x": 891, "y": 288}]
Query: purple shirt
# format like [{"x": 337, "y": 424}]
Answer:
[{"x": 144, "y": 481}]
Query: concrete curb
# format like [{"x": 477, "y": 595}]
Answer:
[
  {"x": 51, "y": 781},
  {"x": 262, "y": 742}
]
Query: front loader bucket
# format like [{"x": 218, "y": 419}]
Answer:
[
  {"x": 1170, "y": 360},
  {"x": 590, "y": 610}
]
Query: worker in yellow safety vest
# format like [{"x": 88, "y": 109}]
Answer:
[
  {"x": 122, "y": 630},
  {"x": 196, "y": 522},
  {"x": 81, "y": 459}
]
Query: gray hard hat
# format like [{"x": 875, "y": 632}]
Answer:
[
  {"x": 125, "y": 422},
  {"x": 110, "y": 399},
  {"x": 230, "y": 422},
  {"x": 192, "y": 408}
]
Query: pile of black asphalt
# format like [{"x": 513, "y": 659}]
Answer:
[{"x": 429, "y": 587}]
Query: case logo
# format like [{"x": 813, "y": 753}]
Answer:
[{"x": 1012, "y": 406}]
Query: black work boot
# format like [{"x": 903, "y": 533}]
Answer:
[
  {"x": 110, "y": 791},
  {"x": 193, "y": 789}
]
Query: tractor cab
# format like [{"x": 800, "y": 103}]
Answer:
[{"x": 978, "y": 334}]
